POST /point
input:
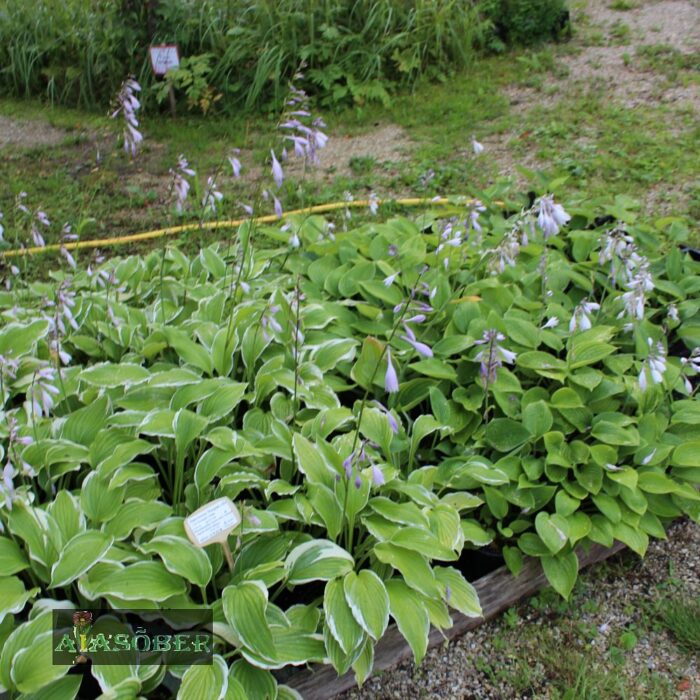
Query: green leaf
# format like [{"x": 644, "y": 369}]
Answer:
[
  {"x": 459, "y": 593},
  {"x": 405, "y": 513},
  {"x": 82, "y": 426},
  {"x": 413, "y": 566},
  {"x": 244, "y": 606},
  {"x": 435, "y": 369},
  {"x": 205, "y": 680},
  {"x": 553, "y": 529},
  {"x": 317, "y": 560},
  {"x": 33, "y": 668},
  {"x": 109, "y": 375},
  {"x": 18, "y": 339},
  {"x": 79, "y": 555},
  {"x": 656, "y": 482},
  {"x": 146, "y": 580},
  {"x": 187, "y": 427},
  {"x": 181, "y": 557},
  {"x": 561, "y": 572},
  {"x": 12, "y": 559},
  {"x": 257, "y": 683},
  {"x": 608, "y": 506},
  {"x": 368, "y": 600},
  {"x": 65, "y": 688},
  {"x": 411, "y": 617},
  {"x": 537, "y": 418},
  {"x": 504, "y": 434},
  {"x": 362, "y": 666},
  {"x": 423, "y": 426},
  {"x": 339, "y": 617},
  {"x": 366, "y": 370},
  {"x": 310, "y": 461},
  {"x": 566, "y": 398},
  {"x": 687, "y": 454},
  {"x": 192, "y": 353},
  {"x": 13, "y": 596},
  {"x": 633, "y": 537}
]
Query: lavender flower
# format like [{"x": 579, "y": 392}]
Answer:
[
  {"x": 181, "y": 185},
  {"x": 277, "y": 173},
  {"x": 235, "y": 162},
  {"x": 638, "y": 285},
  {"x": 19, "y": 203},
  {"x": 373, "y": 204},
  {"x": 552, "y": 322},
  {"x": 690, "y": 364},
  {"x": 128, "y": 105},
  {"x": 304, "y": 130},
  {"x": 41, "y": 393},
  {"x": 389, "y": 280},
  {"x": 504, "y": 254},
  {"x": 392, "y": 421},
  {"x": 391, "y": 380},
  {"x": 211, "y": 196},
  {"x": 270, "y": 322},
  {"x": 277, "y": 206},
  {"x": 7, "y": 487},
  {"x": 581, "y": 318},
  {"x": 377, "y": 476},
  {"x": 411, "y": 339},
  {"x": 427, "y": 177},
  {"x": 617, "y": 246},
  {"x": 348, "y": 198},
  {"x": 474, "y": 211},
  {"x": 493, "y": 355},
  {"x": 550, "y": 216},
  {"x": 653, "y": 365},
  {"x": 2, "y": 228},
  {"x": 672, "y": 313}
]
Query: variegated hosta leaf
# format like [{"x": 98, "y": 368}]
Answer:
[
  {"x": 317, "y": 560},
  {"x": 368, "y": 600}
]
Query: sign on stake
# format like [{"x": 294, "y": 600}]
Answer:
[
  {"x": 164, "y": 57},
  {"x": 214, "y": 522}
]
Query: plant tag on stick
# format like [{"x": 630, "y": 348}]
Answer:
[{"x": 214, "y": 522}]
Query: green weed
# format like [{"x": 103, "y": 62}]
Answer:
[{"x": 681, "y": 616}]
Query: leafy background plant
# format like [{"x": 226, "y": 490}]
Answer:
[{"x": 77, "y": 52}]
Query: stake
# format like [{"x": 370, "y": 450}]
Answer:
[
  {"x": 228, "y": 555},
  {"x": 171, "y": 95}
]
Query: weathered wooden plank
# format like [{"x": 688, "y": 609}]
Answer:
[{"x": 497, "y": 592}]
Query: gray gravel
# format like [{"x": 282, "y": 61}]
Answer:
[{"x": 537, "y": 649}]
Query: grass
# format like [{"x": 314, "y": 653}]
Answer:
[
  {"x": 599, "y": 146},
  {"x": 681, "y": 617}
]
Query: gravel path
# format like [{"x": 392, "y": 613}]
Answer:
[{"x": 609, "y": 636}]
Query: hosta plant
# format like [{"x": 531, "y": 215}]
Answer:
[{"x": 378, "y": 403}]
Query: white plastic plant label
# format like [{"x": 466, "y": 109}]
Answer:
[{"x": 213, "y": 522}]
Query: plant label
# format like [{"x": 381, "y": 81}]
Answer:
[
  {"x": 212, "y": 522},
  {"x": 163, "y": 58}
]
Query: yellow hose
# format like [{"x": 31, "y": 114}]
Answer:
[{"x": 229, "y": 223}]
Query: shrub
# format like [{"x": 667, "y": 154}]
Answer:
[
  {"x": 377, "y": 402},
  {"x": 527, "y": 22}
]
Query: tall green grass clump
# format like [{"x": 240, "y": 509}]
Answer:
[{"x": 242, "y": 52}]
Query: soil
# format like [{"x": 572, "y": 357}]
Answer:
[{"x": 28, "y": 134}]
